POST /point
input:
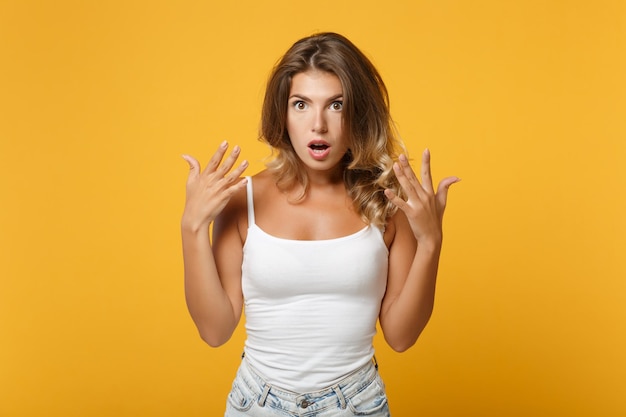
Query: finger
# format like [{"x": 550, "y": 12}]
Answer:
[
  {"x": 427, "y": 179},
  {"x": 237, "y": 172},
  {"x": 241, "y": 184},
  {"x": 397, "y": 201},
  {"x": 230, "y": 161},
  {"x": 442, "y": 192},
  {"x": 406, "y": 169},
  {"x": 194, "y": 165},
  {"x": 240, "y": 169},
  {"x": 406, "y": 177},
  {"x": 216, "y": 159},
  {"x": 412, "y": 185}
]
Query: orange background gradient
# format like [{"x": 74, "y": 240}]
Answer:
[{"x": 524, "y": 100}]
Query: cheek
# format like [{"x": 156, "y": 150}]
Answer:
[
  {"x": 337, "y": 121},
  {"x": 290, "y": 126},
  {"x": 294, "y": 123},
  {"x": 294, "y": 134},
  {"x": 338, "y": 127}
]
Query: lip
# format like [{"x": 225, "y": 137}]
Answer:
[
  {"x": 318, "y": 142},
  {"x": 318, "y": 155}
]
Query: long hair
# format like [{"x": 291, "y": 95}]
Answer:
[{"x": 366, "y": 120}]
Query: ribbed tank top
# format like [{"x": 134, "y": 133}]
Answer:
[{"x": 311, "y": 306}]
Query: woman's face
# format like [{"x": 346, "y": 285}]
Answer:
[{"x": 314, "y": 120}]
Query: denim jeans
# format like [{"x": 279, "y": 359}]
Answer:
[{"x": 361, "y": 393}]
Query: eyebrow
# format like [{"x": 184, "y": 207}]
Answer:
[{"x": 305, "y": 98}]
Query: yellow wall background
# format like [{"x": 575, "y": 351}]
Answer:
[{"x": 524, "y": 100}]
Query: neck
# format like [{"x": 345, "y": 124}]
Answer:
[
  {"x": 320, "y": 183},
  {"x": 325, "y": 178}
]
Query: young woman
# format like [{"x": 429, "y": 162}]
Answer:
[{"x": 337, "y": 233}]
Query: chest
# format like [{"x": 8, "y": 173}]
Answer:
[
  {"x": 312, "y": 219},
  {"x": 351, "y": 266}
]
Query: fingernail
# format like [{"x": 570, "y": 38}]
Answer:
[{"x": 224, "y": 144}]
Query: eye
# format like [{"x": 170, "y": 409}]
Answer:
[
  {"x": 336, "y": 105},
  {"x": 299, "y": 105}
]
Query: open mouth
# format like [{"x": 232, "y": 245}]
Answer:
[{"x": 318, "y": 147}]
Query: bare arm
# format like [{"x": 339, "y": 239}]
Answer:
[
  {"x": 413, "y": 254},
  {"x": 213, "y": 274}
]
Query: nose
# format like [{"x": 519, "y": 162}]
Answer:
[{"x": 319, "y": 122}]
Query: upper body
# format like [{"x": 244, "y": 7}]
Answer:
[
  {"x": 314, "y": 192},
  {"x": 311, "y": 305}
]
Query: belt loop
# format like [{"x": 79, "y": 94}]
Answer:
[
  {"x": 375, "y": 362},
  {"x": 342, "y": 399},
  {"x": 263, "y": 397}
]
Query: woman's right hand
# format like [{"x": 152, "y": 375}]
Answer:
[{"x": 209, "y": 191}]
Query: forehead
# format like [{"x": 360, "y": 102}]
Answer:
[{"x": 316, "y": 84}]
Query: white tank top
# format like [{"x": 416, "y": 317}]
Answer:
[{"x": 311, "y": 306}]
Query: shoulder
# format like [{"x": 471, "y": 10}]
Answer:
[
  {"x": 263, "y": 182},
  {"x": 398, "y": 232},
  {"x": 235, "y": 214},
  {"x": 264, "y": 189},
  {"x": 239, "y": 201}
]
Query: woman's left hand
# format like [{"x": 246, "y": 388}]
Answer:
[{"x": 423, "y": 207}]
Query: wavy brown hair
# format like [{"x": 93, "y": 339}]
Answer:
[{"x": 372, "y": 142}]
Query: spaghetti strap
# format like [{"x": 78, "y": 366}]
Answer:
[{"x": 250, "y": 202}]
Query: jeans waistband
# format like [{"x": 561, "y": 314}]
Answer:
[{"x": 347, "y": 387}]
